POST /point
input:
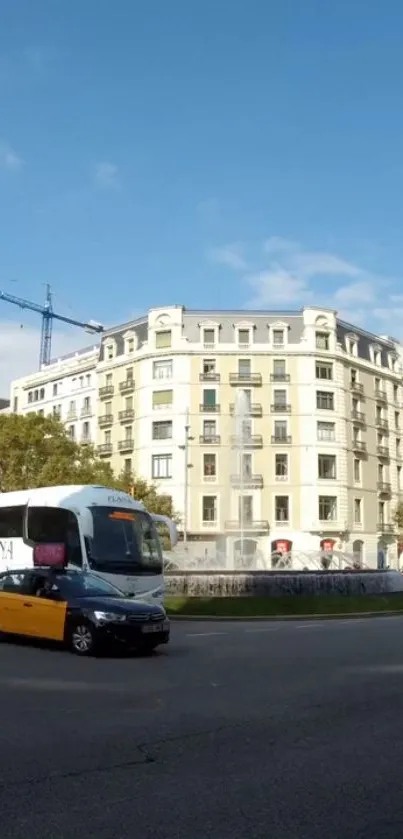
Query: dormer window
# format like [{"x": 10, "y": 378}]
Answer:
[
  {"x": 352, "y": 344},
  {"x": 278, "y": 337},
  {"x": 209, "y": 337},
  {"x": 130, "y": 345},
  {"x": 375, "y": 354},
  {"x": 163, "y": 339},
  {"x": 244, "y": 337},
  {"x": 110, "y": 351},
  {"x": 322, "y": 340}
]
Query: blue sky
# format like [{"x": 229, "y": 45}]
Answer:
[{"x": 215, "y": 153}]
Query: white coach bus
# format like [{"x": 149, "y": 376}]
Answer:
[{"x": 86, "y": 527}]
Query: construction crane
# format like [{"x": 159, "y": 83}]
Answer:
[{"x": 48, "y": 315}]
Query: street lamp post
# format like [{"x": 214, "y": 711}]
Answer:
[{"x": 187, "y": 466}]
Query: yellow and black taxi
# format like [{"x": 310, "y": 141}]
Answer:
[{"x": 78, "y": 609}]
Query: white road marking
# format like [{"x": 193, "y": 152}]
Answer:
[
  {"x": 204, "y": 634},
  {"x": 309, "y": 625},
  {"x": 262, "y": 629}
]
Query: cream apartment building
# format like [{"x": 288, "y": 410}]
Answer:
[
  {"x": 317, "y": 467},
  {"x": 66, "y": 389}
]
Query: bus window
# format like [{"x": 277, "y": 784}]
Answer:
[
  {"x": 54, "y": 524},
  {"x": 11, "y": 520}
]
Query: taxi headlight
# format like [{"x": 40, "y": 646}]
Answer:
[{"x": 110, "y": 617}]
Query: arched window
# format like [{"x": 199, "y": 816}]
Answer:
[{"x": 358, "y": 552}]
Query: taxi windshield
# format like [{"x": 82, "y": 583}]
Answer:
[
  {"x": 125, "y": 541},
  {"x": 77, "y": 584}
]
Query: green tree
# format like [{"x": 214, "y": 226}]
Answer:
[
  {"x": 36, "y": 451},
  {"x": 398, "y": 519}
]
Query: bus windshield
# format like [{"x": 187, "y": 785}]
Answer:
[{"x": 124, "y": 541}]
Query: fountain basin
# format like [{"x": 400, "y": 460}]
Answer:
[{"x": 277, "y": 584}]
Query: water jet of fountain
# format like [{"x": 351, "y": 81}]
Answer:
[{"x": 242, "y": 434}]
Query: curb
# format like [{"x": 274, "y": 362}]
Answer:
[{"x": 338, "y": 616}]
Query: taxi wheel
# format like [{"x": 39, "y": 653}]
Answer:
[{"x": 82, "y": 638}]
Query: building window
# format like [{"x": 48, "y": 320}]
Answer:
[
  {"x": 377, "y": 358},
  {"x": 357, "y": 471},
  {"x": 324, "y": 400},
  {"x": 244, "y": 368},
  {"x": 209, "y": 466},
  {"x": 162, "y": 369},
  {"x": 282, "y": 508},
  {"x": 72, "y": 432},
  {"x": 163, "y": 339},
  {"x": 209, "y": 368},
  {"x": 129, "y": 349},
  {"x": 281, "y": 466},
  {"x": 128, "y": 467},
  {"x": 107, "y": 437},
  {"x": 327, "y": 508},
  {"x": 161, "y": 466},
  {"x": 322, "y": 340},
  {"x": 246, "y": 465},
  {"x": 357, "y": 511},
  {"x": 209, "y": 429},
  {"x": 397, "y": 420},
  {"x": 398, "y": 447},
  {"x": 324, "y": 370},
  {"x": 209, "y": 399},
  {"x": 86, "y": 432},
  {"x": 209, "y": 509},
  {"x": 326, "y": 431},
  {"x": 399, "y": 478},
  {"x": 280, "y": 399},
  {"x": 327, "y": 467},
  {"x": 279, "y": 370},
  {"x": 209, "y": 337},
  {"x": 108, "y": 380},
  {"x": 54, "y": 390},
  {"x": 109, "y": 352},
  {"x": 244, "y": 337},
  {"x": 278, "y": 337},
  {"x": 30, "y": 396},
  {"x": 381, "y": 512},
  {"x": 108, "y": 409},
  {"x": 280, "y": 430},
  {"x": 162, "y": 399},
  {"x": 162, "y": 430}
]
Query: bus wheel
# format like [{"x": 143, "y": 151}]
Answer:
[{"x": 82, "y": 638}]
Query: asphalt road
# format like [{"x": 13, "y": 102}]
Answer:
[{"x": 291, "y": 730}]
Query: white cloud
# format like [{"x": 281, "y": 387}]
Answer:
[
  {"x": 19, "y": 350},
  {"x": 229, "y": 255},
  {"x": 276, "y": 287},
  {"x": 9, "y": 159},
  {"x": 106, "y": 174}
]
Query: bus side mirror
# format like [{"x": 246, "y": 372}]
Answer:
[{"x": 53, "y": 554}]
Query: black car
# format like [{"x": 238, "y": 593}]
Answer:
[{"x": 77, "y": 608}]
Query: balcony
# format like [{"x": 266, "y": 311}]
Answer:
[
  {"x": 245, "y": 378},
  {"x": 105, "y": 392},
  {"x": 211, "y": 376},
  {"x": 253, "y": 410},
  {"x": 86, "y": 441},
  {"x": 381, "y": 394},
  {"x": 357, "y": 387},
  {"x": 71, "y": 416},
  {"x": 209, "y": 439},
  {"x": 280, "y": 408},
  {"x": 250, "y": 481},
  {"x": 382, "y": 527},
  {"x": 127, "y": 386},
  {"x": 105, "y": 449},
  {"x": 280, "y": 377},
  {"x": 247, "y": 524},
  {"x": 383, "y": 451},
  {"x": 384, "y": 487},
  {"x": 358, "y": 417},
  {"x": 127, "y": 415},
  {"x": 382, "y": 423},
  {"x": 104, "y": 420},
  {"x": 86, "y": 412},
  {"x": 359, "y": 447},
  {"x": 255, "y": 441},
  {"x": 209, "y": 409},
  {"x": 281, "y": 439},
  {"x": 125, "y": 445}
]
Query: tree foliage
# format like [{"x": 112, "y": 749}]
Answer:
[
  {"x": 398, "y": 517},
  {"x": 36, "y": 451}
]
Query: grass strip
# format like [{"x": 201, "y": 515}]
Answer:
[{"x": 249, "y": 607}]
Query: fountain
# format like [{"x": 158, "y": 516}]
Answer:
[{"x": 228, "y": 573}]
